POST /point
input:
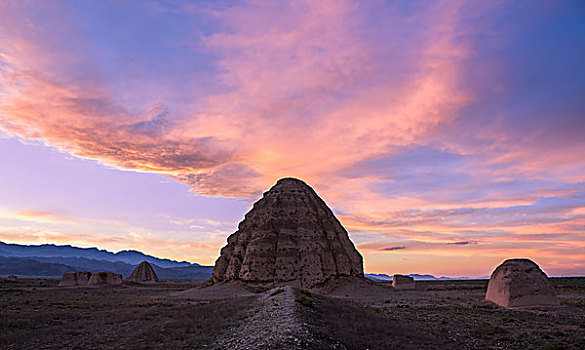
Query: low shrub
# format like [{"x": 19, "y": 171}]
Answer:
[{"x": 303, "y": 300}]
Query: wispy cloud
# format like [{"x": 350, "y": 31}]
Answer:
[
  {"x": 389, "y": 249},
  {"x": 280, "y": 79},
  {"x": 461, "y": 243},
  {"x": 115, "y": 235},
  {"x": 41, "y": 216},
  {"x": 424, "y": 122}
]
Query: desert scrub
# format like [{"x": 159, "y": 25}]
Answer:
[
  {"x": 488, "y": 331},
  {"x": 304, "y": 300},
  {"x": 554, "y": 346}
]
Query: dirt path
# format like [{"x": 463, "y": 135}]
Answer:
[{"x": 274, "y": 321}]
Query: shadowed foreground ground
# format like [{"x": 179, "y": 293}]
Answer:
[{"x": 36, "y": 314}]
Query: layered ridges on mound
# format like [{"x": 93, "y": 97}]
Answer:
[
  {"x": 143, "y": 273},
  {"x": 289, "y": 235},
  {"x": 105, "y": 278}
]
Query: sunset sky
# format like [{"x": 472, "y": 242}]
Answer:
[{"x": 446, "y": 136}]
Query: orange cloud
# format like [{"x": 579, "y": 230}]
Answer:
[
  {"x": 236, "y": 143},
  {"x": 41, "y": 216},
  {"x": 311, "y": 89},
  {"x": 116, "y": 236}
]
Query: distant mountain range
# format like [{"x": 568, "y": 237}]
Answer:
[
  {"x": 49, "y": 260},
  {"x": 131, "y": 257},
  {"x": 382, "y": 277},
  {"x": 52, "y": 261}
]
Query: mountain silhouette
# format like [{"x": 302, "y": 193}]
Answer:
[{"x": 52, "y": 261}]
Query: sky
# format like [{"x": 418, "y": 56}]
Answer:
[{"x": 446, "y": 136}]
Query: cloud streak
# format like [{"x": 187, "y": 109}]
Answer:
[
  {"x": 279, "y": 80},
  {"x": 38, "y": 226},
  {"x": 390, "y": 249},
  {"x": 41, "y": 216}
]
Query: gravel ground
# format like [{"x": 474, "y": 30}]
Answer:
[
  {"x": 274, "y": 321},
  {"x": 36, "y": 314}
]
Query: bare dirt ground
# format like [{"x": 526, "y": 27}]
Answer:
[
  {"x": 455, "y": 316},
  {"x": 36, "y": 314}
]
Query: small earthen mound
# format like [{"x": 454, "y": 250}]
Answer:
[
  {"x": 289, "y": 237},
  {"x": 143, "y": 273},
  {"x": 75, "y": 279},
  {"x": 520, "y": 282},
  {"x": 105, "y": 278},
  {"x": 403, "y": 282},
  {"x": 12, "y": 278},
  {"x": 68, "y": 280}
]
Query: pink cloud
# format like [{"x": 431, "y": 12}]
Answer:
[
  {"x": 281, "y": 68},
  {"x": 42, "y": 216},
  {"x": 307, "y": 89}
]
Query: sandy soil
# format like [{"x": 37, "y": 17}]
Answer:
[{"x": 36, "y": 314}]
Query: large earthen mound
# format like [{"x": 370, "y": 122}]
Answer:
[
  {"x": 143, "y": 273},
  {"x": 105, "y": 278},
  {"x": 289, "y": 237},
  {"x": 75, "y": 279},
  {"x": 520, "y": 282},
  {"x": 403, "y": 282}
]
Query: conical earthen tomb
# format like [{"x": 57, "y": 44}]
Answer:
[
  {"x": 289, "y": 237},
  {"x": 143, "y": 273}
]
